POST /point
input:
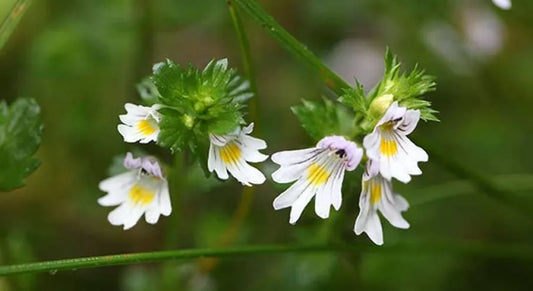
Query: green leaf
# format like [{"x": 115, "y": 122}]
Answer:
[
  {"x": 198, "y": 103},
  {"x": 407, "y": 88},
  {"x": 20, "y": 137},
  {"x": 355, "y": 98},
  {"x": 174, "y": 133},
  {"x": 324, "y": 118}
]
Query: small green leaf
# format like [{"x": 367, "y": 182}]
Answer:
[
  {"x": 355, "y": 98},
  {"x": 174, "y": 133},
  {"x": 324, "y": 118},
  {"x": 20, "y": 137}
]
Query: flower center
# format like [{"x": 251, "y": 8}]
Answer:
[
  {"x": 140, "y": 195},
  {"x": 230, "y": 153},
  {"x": 146, "y": 127},
  {"x": 317, "y": 174}
]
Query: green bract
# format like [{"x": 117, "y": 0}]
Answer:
[
  {"x": 198, "y": 102},
  {"x": 20, "y": 136},
  {"x": 321, "y": 119},
  {"x": 406, "y": 88}
]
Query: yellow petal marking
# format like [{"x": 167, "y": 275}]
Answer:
[
  {"x": 317, "y": 174},
  {"x": 388, "y": 147},
  {"x": 230, "y": 153},
  {"x": 140, "y": 195},
  {"x": 375, "y": 192},
  {"x": 146, "y": 127}
]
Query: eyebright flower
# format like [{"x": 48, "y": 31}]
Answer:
[
  {"x": 141, "y": 190},
  {"x": 389, "y": 146},
  {"x": 377, "y": 195},
  {"x": 318, "y": 171},
  {"x": 141, "y": 123},
  {"x": 233, "y": 151}
]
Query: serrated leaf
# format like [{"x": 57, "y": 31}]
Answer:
[
  {"x": 173, "y": 134},
  {"x": 324, "y": 118},
  {"x": 355, "y": 98},
  {"x": 198, "y": 102},
  {"x": 20, "y": 137}
]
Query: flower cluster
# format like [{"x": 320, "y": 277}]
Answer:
[
  {"x": 200, "y": 111},
  {"x": 386, "y": 116},
  {"x": 188, "y": 109}
]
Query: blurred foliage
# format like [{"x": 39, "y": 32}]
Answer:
[
  {"x": 81, "y": 60},
  {"x": 20, "y": 136}
]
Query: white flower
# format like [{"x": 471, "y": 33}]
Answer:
[
  {"x": 318, "y": 171},
  {"x": 141, "y": 190},
  {"x": 233, "y": 151},
  {"x": 377, "y": 195},
  {"x": 388, "y": 145},
  {"x": 141, "y": 123},
  {"x": 503, "y": 4}
]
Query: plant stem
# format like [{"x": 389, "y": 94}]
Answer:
[
  {"x": 246, "y": 57},
  {"x": 510, "y": 183},
  {"x": 468, "y": 248},
  {"x": 12, "y": 20},
  {"x": 293, "y": 46},
  {"x": 230, "y": 234}
]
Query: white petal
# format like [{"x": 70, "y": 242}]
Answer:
[
  {"x": 415, "y": 152},
  {"x": 152, "y": 215},
  {"x": 371, "y": 143},
  {"x": 296, "y": 156},
  {"x": 129, "y": 133},
  {"x": 388, "y": 208},
  {"x": 289, "y": 173},
  {"x": 323, "y": 200},
  {"x": 218, "y": 164},
  {"x": 362, "y": 217},
  {"x": 114, "y": 197},
  {"x": 290, "y": 195},
  {"x": 119, "y": 215},
  {"x": 409, "y": 122},
  {"x": 393, "y": 112},
  {"x": 236, "y": 171},
  {"x": 165, "y": 207},
  {"x": 133, "y": 216},
  {"x": 336, "y": 191},
  {"x": 118, "y": 182},
  {"x": 300, "y": 203},
  {"x": 253, "y": 142},
  {"x": 251, "y": 174},
  {"x": 400, "y": 203},
  {"x": 252, "y": 155},
  {"x": 373, "y": 228},
  {"x": 211, "y": 158}
]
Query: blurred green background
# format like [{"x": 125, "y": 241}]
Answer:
[{"x": 81, "y": 59}]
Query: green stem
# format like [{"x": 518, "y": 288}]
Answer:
[
  {"x": 469, "y": 248},
  {"x": 511, "y": 183},
  {"x": 246, "y": 58},
  {"x": 12, "y": 20},
  {"x": 293, "y": 46}
]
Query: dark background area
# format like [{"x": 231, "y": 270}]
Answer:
[{"x": 81, "y": 59}]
